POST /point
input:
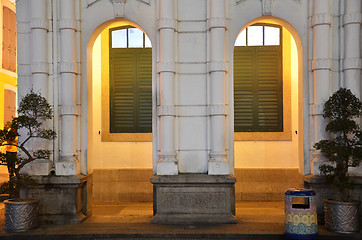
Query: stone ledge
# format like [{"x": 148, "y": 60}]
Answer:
[{"x": 193, "y": 179}]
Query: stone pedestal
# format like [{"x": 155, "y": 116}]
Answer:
[
  {"x": 193, "y": 199},
  {"x": 323, "y": 191},
  {"x": 62, "y": 200}
]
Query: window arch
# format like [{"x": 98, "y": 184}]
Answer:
[
  {"x": 130, "y": 88},
  {"x": 258, "y": 84}
]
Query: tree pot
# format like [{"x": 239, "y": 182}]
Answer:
[
  {"x": 21, "y": 214},
  {"x": 342, "y": 217}
]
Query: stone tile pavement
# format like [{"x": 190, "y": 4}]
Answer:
[{"x": 256, "y": 220}]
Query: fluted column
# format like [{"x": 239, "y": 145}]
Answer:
[
  {"x": 352, "y": 60},
  {"x": 321, "y": 66},
  {"x": 68, "y": 163},
  {"x": 218, "y": 163},
  {"x": 167, "y": 163}
]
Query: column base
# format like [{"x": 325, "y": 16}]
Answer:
[
  {"x": 218, "y": 168},
  {"x": 167, "y": 168},
  {"x": 193, "y": 199},
  {"x": 67, "y": 168},
  {"x": 62, "y": 200},
  {"x": 37, "y": 168}
]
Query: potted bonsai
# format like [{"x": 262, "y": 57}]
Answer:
[
  {"x": 33, "y": 111},
  {"x": 343, "y": 150}
]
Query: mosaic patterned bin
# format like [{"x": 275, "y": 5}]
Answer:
[{"x": 300, "y": 214}]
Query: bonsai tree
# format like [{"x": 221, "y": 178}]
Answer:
[
  {"x": 344, "y": 148},
  {"x": 33, "y": 111}
]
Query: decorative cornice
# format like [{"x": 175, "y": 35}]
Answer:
[
  {"x": 166, "y": 67},
  {"x": 217, "y": 110},
  {"x": 216, "y": 22},
  {"x": 69, "y": 110},
  {"x": 68, "y": 67},
  {"x": 218, "y": 66},
  {"x": 67, "y": 23},
  {"x": 267, "y": 7},
  {"x": 39, "y": 23},
  {"x": 166, "y": 110},
  {"x": 322, "y": 64},
  {"x": 166, "y": 23},
  {"x": 317, "y": 109},
  {"x": 321, "y": 19},
  {"x": 352, "y": 18},
  {"x": 352, "y": 63},
  {"x": 118, "y": 6},
  {"x": 40, "y": 67}
]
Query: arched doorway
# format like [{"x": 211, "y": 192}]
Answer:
[
  {"x": 120, "y": 113},
  {"x": 268, "y": 135}
]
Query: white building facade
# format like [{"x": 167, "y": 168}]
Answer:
[{"x": 64, "y": 52}]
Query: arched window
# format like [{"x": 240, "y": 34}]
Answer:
[
  {"x": 9, "y": 40},
  {"x": 258, "y": 84},
  {"x": 130, "y": 59}
]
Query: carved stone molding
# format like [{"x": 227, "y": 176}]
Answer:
[
  {"x": 69, "y": 110},
  {"x": 322, "y": 64},
  {"x": 68, "y": 67},
  {"x": 167, "y": 156},
  {"x": 216, "y": 22},
  {"x": 166, "y": 23},
  {"x": 317, "y": 109},
  {"x": 217, "y": 110},
  {"x": 218, "y": 66},
  {"x": 166, "y": 110},
  {"x": 321, "y": 19},
  {"x": 166, "y": 67},
  {"x": 39, "y": 23},
  {"x": 67, "y": 23},
  {"x": 352, "y": 18},
  {"x": 40, "y": 67},
  {"x": 118, "y": 6},
  {"x": 352, "y": 63},
  {"x": 267, "y": 6}
]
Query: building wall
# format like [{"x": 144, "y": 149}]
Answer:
[
  {"x": 192, "y": 48},
  {"x": 8, "y": 79}
]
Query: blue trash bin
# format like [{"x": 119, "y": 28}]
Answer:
[{"x": 300, "y": 214}]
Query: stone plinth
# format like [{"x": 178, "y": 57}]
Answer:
[
  {"x": 193, "y": 199},
  {"x": 62, "y": 200},
  {"x": 324, "y": 191}
]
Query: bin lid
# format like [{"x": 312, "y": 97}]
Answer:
[{"x": 300, "y": 192}]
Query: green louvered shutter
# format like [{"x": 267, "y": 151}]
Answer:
[
  {"x": 258, "y": 103},
  {"x": 130, "y": 90}
]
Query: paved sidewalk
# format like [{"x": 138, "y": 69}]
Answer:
[{"x": 256, "y": 220}]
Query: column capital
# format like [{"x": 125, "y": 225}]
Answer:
[
  {"x": 352, "y": 18},
  {"x": 322, "y": 64},
  {"x": 317, "y": 109},
  {"x": 218, "y": 66},
  {"x": 217, "y": 110},
  {"x": 68, "y": 67},
  {"x": 166, "y": 23},
  {"x": 166, "y": 110},
  {"x": 39, "y": 23},
  {"x": 40, "y": 67},
  {"x": 321, "y": 19},
  {"x": 216, "y": 22},
  {"x": 352, "y": 63},
  {"x": 67, "y": 23},
  {"x": 166, "y": 67},
  {"x": 69, "y": 110}
]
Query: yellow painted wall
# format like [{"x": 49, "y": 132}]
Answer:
[
  {"x": 8, "y": 80},
  {"x": 276, "y": 154},
  {"x": 111, "y": 154}
]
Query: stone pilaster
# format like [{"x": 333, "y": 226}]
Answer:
[
  {"x": 68, "y": 163},
  {"x": 218, "y": 162},
  {"x": 321, "y": 67},
  {"x": 167, "y": 163}
]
